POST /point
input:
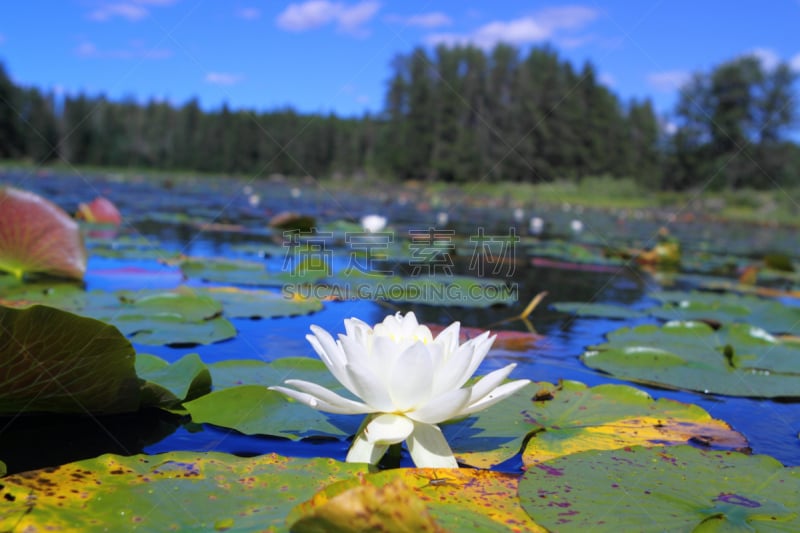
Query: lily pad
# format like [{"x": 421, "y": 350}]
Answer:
[
  {"x": 679, "y": 488},
  {"x": 768, "y": 314},
  {"x": 256, "y": 410},
  {"x": 171, "y": 317},
  {"x": 598, "y": 310},
  {"x": 571, "y": 417},
  {"x": 236, "y": 372},
  {"x": 248, "y": 273},
  {"x": 174, "y": 491},
  {"x": 417, "y": 499},
  {"x": 59, "y": 362},
  {"x": 37, "y": 236},
  {"x": 241, "y": 303},
  {"x": 737, "y": 360},
  {"x": 178, "y": 316},
  {"x": 169, "y": 384}
]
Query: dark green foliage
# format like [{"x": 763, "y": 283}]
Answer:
[
  {"x": 732, "y": 125},
  {"x": 456, "y": 114}
]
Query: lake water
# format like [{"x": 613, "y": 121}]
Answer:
[{"x": 176, "y": 215}]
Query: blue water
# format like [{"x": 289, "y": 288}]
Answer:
[{"x": 771, "y": 427}]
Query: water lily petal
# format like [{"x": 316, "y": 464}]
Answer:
[
  {"x": 449, "y": 337},
  {"x": 441, "y": 408},
  {"x": 388, "y": 428},
  {"x": 489, "y": 382},
  {"x": 336, "y": 365},
  {"x": 429, "y": 448},
  {"x": 411, "y": 377},
  {"x": 311, "y": 401},
  {"x": 364, "y": 451},
  {"x": 462, "y": 364},
  {"x": 330, "y": 398},
  {"x": 355, "y": 327},
  {"x": 358, "y": 357},
  {"x": 370, "y": 388},
  {"x": 500, "y": 393}
]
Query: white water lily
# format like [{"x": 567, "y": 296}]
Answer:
[
  {"x": 373, "y": 223},
  {"x": 407, "y": 380}
]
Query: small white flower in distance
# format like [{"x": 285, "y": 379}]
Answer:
[
  {"x": 373, "y": 223},
  {"x": 407, "y": 380}
]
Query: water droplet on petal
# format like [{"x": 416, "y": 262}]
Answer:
[{"x": 313, "y": 403}]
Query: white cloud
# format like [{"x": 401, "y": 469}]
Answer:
[
  {"x": 769, "y": 59},
  {"x": 431, "y": 20},
  {"x": 135, "y": 50},
  {"x": 607, "y": 79},
  {"x": 223, "y": 78},
  {"x": 132, "y": 10},
  {"x": 248, "y": 13},
  {"x": 668, "y": 80},
  {"x": 543, "y": 25},
  {"x": 794, "y": 62},
  {"x": 566, "y": 17},
  {"x": 318, "y": 13}
]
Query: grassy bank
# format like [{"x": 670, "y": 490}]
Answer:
[{"x": 775, "y": 206}]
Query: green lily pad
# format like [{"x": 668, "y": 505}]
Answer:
[
  {"x": 236, "y": 372},
  {"x": 417, "y": 499},
  {"x": 737, "y": 360},
  {"x": 768, "y": 314},
  {"x": 571, "y": 417},
  {"x": 241, "y": 303},
  {"x": 178, "y": 491},
  {"x": 153, "y": 317},
  {"x": 678, "y": 488},
  {"x": 169, "y": 384},
  {"x": 170, "y": 317},
  {"x": 37, "y": 236},
  {"x": 256, "y": 410},
  {"x": 55, "y": 361},
  {"x": 598, "y": 310},
  {"x": 248, "y": 273}
]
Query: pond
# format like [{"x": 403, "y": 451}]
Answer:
[{"x": 167, "y": 220}]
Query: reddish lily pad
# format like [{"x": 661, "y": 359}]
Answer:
[
  {"x": 37, "y": 236},
  {"x": 99, "y": 211}
]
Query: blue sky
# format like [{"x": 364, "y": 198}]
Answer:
[{"x": 329, "y": 55}]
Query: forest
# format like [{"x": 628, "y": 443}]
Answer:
[{"x": 455, "y": 114}]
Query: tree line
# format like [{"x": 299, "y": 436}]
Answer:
[{"x": 456, "y": 114}]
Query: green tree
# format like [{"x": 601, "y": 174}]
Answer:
[{"x": 732, "y": 126}]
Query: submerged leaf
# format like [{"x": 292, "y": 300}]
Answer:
[{"x": 37, "y": 236}]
